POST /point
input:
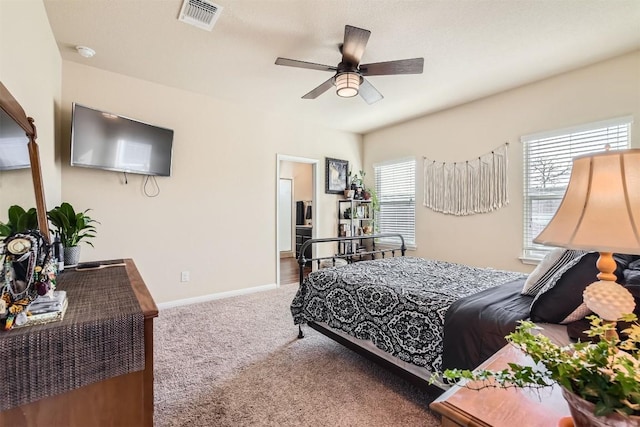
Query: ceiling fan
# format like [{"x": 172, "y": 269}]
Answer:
[{"x": 349, "y": 73}]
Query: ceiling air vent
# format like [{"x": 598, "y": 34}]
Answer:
[{"x": 200, "y": 13}]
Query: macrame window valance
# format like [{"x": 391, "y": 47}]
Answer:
[{"x": 468, "y": 187}]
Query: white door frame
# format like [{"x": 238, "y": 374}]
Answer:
[
  {"x": 292, "y": 221},
  {"x": 314, "y": 204}
]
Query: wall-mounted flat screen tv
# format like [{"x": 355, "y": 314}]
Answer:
[
  {"x": 14, "y": 153},
  {"x": 108, "y": 141}
]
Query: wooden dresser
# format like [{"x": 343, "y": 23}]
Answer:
[
  {"x": 123, "y": 400},
  {"x": 461, "y": 406}
]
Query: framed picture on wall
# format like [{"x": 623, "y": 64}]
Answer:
[{"x": 336, "y": 172}]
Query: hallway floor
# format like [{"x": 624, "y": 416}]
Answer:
[{"x": 290, "y": 272}]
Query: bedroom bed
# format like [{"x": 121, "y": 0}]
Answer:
[
  {"x": 417, "y": 316},
  {"x": 393, "y": 309}
]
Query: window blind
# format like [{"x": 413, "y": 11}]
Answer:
[
  {"x": 396, "y": 188},
  {"x": 547, "y": 167}
]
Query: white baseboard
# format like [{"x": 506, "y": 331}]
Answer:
[{"x": 218, "y": 295}]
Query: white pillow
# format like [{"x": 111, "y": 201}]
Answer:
[{"x": 548, "y": 267}]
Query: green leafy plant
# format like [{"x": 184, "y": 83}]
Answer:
[
  {"x": 72, "y": 227},
  {"x": 375, "y": 202},
  {"x": 358, "y": 180},
  {"x": 362, "y": 175},
  {"x": 19, "y": 221},
  {"x": 605, "y": 372},
  {"x": 375, "y": 207}
]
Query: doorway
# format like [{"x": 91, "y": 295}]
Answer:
[{"x": 295, "y": 221}]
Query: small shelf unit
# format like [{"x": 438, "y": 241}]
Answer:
[{"x": 355, "y": 218}]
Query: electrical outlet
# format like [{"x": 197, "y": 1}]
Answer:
[{"x": 184, "y": 276}]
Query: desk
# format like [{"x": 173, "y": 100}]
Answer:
[
  {"x": 123, "y": 400},
  {"x": 460, "y": 406}
]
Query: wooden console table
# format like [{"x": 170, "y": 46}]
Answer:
[
  {"x": 492, "y": 407},
  {"x": 124, "y": 400}
]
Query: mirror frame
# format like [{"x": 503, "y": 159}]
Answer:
[{"x": 14, "y": 110}]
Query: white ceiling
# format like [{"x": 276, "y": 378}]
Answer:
[{"x": 471, "y": 48}]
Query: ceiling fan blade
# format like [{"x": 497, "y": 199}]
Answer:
[
  {"x": 355, "y": 40},
  {"x": 369, "y": 93},
  {"x": 402, "y": 66},
  {"x": 319, "y": 90},
  {"x": 302, "y": 64}
]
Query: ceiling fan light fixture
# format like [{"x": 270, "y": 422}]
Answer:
[
  {"x": 347, "y": 84},
  {"x": 349, "y": 76}
]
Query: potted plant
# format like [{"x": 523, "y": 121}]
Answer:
[
  {"x": 72, "y": 228},
  {"x": 600, "y": 380},
  {"x": 19, "y": 220},
  {"x": 354, "y": 183},
  {"x": 375, "y": 208},
  {"x": 366, "y": 193}
]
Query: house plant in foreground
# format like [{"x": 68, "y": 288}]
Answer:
[
  {"x": 19, "y": 220},
  {"x": 73, "y": 228},
  {"x": 600, "y": 380}
]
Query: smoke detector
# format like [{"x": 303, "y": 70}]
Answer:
[
  {"x": 200, "y": 13},
  {"x": 85, "y": 52}
]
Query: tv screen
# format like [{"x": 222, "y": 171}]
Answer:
[
  {"x": 107, "y": 141},
  {"x": 14, "y": 153}
]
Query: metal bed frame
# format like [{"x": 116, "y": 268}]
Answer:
[
  {"x": 381, "y": 252},
  {"x": 352, "y": 256}
]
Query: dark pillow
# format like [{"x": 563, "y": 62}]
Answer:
[
  {"x": 556, "y": 302},
  {"x": 576, "y": 330},
  {"x": 561, "y": 300},
  {"x": 635, "y": 263},
  {"x": 632, "y": 277},
  {"x": 626, "y": 263},
  {"x": 628, "y": 272},
  {"x": 623, "y": 260},
  {"x": 632, "y": 283}
]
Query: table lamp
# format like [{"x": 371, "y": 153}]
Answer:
[{"x": 600, "y": 212}]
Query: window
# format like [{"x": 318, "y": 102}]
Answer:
[
  {"x": 396, "y": 189},
  {"x": 547, "y": 167}
]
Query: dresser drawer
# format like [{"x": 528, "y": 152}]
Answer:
[{"x": 303, "y": 231}]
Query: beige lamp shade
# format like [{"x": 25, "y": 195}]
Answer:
[{"x": 600, "y": 210}]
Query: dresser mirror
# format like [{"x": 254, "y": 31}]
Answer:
[{"x": 20, "y": 171}]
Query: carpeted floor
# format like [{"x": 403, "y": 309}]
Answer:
[{"x": 238, "y": 362}]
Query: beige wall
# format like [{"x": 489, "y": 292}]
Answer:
[
  {"x": 602, "y": 91},
  {"x": 303, "y": 176},
  {"x": 215, "y": 216},
  {"x": 30, "y": 67}
]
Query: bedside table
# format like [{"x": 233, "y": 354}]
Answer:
[{"x": 494, "y": 407}]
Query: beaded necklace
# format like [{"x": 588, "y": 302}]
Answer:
[
  {"x": 10, "y": 281},
  {"x": 20, "y": 252}
]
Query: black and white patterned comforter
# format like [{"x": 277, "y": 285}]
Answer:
[{"x": 397, "y": 303}]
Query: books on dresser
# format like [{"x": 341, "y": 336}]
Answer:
[{"x": 46, "y": 308}]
